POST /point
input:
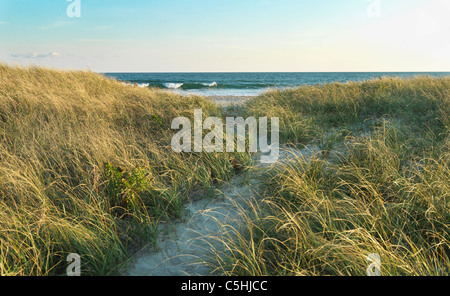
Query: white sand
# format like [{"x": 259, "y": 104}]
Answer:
[
  {"x": 191, "y": 241},
  {"x": 227, "y": 101},
  {"x": 184, "y": 249}
]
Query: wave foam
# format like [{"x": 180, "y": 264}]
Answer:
[
  {"x": 210, "y": 84},
  {"x": 173, "y": 85},
  {"x": 136, "y": 84}
]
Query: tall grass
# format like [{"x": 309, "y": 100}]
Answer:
[
  {"x": 308, "y": 112},
  {"x": 384, "y": 188},
  {"x": 86, "y": 167}
]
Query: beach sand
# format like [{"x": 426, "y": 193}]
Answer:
[
  {"x": 185, "y": 248},
  {"x": 227, "y": 101}
]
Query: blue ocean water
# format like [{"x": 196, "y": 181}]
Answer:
[{"x": 248, "y": 84}]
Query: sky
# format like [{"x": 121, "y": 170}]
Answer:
[{"x": 227, "y": 35}]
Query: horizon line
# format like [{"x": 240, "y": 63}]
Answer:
[{"x": 223, "y": 72}]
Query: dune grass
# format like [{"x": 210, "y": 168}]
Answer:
[
  {"x": 379, "y": 184},
  {"x": 309, "y": 112},
  {"x": 86, "y": 167}
]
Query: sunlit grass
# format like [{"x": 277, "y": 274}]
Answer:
[
  {"x": 86, "y": 167},
  {"x": 383, "y": 185}
]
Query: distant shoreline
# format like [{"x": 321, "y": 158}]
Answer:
[
  {"x": 226, "y": 101},
  {"x": 246, "y": 84}
]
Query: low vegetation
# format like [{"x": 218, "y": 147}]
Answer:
[
  {"x": 86, "y": 167},
  {"x": 378, "y": 184}
]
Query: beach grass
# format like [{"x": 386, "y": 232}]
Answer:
[
  {"x": 86, "y": 167},
  {"x": 378, "y": 184}
]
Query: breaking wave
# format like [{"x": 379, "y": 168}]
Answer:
[{"x": 173, "y": 85}]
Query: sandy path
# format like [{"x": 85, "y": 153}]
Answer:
[
  {"x": 183, "y": 248},
  {"x": 227, "y": 101}
]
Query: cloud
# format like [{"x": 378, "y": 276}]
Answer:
[
  {"x": 57, "y": 24},
  {"x": 35, "y": 55},
  {"x": 93, "y": 40}
]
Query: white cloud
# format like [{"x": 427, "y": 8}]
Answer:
[
  {"x": 35, "y": 55},
  {"x": 57, "y": 24}
]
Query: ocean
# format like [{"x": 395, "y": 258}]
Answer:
[{"x": 248, "y": 84}]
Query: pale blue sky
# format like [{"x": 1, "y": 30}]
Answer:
[{"x": 228, "y": 35}]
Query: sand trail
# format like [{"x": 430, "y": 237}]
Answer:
[{"x": 185, "y": 247}]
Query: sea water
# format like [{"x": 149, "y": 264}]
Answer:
[{"x": 249, "y": 84}]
